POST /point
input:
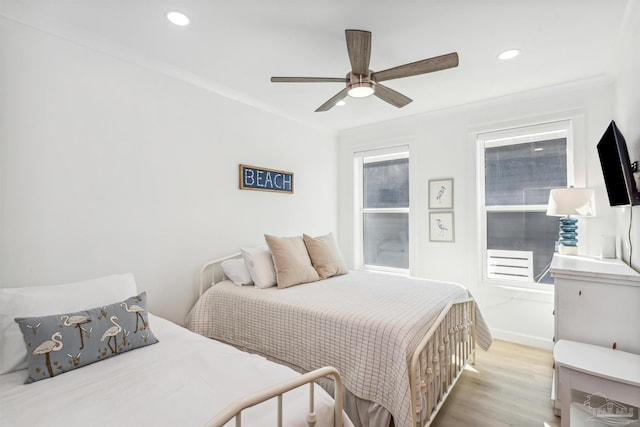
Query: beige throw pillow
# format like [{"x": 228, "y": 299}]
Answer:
[
  {"x": 325, "y": 255},
  {"x": 291, "y": 261}
]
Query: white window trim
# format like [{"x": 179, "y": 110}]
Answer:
[
  {"x": 515, "y": 135},
  {"x": 361, "y": 158}
]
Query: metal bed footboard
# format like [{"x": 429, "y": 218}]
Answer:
[
  {"x": 440, "y": 359},
  {"x": 277, "y": 391}
]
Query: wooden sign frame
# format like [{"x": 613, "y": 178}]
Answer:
[{"x": 257, "y": 178}]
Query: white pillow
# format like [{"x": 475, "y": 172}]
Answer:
[
  {"x": 236, "y": 270},
  {"x": 260, "y": 265},
  {"x": 48, "y": 300}
]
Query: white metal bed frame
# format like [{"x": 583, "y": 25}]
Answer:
[
  {"x": 437, "y": 362},
  {"x": 277, "y": 391}
]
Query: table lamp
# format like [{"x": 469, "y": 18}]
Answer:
[{"x": 568, "y": 203}]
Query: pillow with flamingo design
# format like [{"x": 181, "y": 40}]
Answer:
[{"x": 63, "y": 342}]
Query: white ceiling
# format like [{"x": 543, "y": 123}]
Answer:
[{"x": 234, "y": 47}]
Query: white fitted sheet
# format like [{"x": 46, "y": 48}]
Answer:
[{"x": 184, "y": 380}]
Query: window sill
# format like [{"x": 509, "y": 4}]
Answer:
[{"x": 520, "y": 286}]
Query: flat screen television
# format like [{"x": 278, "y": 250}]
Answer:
[{"x": 617, "y": 168}]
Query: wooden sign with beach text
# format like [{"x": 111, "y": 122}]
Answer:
[{"x": 263, "y": 179}]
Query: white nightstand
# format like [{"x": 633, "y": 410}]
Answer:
[
  {"x": 597, "y": 301},
  {"x": 611, "y": 375}
]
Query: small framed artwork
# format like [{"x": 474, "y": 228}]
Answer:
[
  {"x": 441, "y": 227},
  {"x": 441, "y": 193}
]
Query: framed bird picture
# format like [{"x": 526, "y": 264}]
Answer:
[
  {"x": 441, "y": 227},
  {"x": 441, "y": 193}
]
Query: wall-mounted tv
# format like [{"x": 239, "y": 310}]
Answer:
[{"x": 617, "y": 168}]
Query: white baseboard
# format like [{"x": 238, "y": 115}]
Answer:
[{"x": 523, "y": 339}]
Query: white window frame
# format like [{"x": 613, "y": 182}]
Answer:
[
  {"x": 360, "y": 158},
  {"x": 511, "y": 136}
]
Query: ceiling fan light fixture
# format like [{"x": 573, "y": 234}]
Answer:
[{"x": 361, "y": 89}]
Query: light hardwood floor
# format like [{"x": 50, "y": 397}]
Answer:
[{"x": 509, "y": 385}]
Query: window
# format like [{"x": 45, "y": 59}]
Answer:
[
  {"x": 520, "y": 167},
  {"x": 382, "y": 207}
]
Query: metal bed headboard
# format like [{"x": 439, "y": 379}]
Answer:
[{"x": 214, "y": 272}]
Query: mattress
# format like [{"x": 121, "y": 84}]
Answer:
[
  {"x": 365, "y": 324},
  {"x": 184, "y": 380}
]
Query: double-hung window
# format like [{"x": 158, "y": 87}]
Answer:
[
  {"x": 520, "y": 166},
  {"x": 382, "y": 209}
]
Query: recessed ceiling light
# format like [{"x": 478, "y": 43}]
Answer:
[
  {"x": 509, "y": 54},
  {"x": 178, "y": 18},
  {"x": 340, "y": 103}
]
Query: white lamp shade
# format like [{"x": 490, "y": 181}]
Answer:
[{"x": 571, "y": 202}]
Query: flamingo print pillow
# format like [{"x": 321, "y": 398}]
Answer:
[{"x": 62, "y": 342}]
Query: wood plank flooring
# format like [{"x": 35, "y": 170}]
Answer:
[{"x": 509, "y": 385}]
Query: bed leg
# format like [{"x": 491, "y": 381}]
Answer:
[
  {"x": 311, "y": 418},
  {"x": 473, "y": 332}
]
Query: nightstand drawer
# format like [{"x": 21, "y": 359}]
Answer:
[{"x": 598, "y": 313}]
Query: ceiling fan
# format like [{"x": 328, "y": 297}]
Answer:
[{"x": 361, "y": 81}]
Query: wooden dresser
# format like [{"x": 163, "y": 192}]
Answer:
[{"x": 597, "y": 301}]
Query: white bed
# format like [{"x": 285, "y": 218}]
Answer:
[
  {"x": 400, "y": 343},
  {"x": 183, "y": 380}
]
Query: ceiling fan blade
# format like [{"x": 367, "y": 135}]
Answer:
[
  {"x": 437, "y": 63},
  {"x": 359, "y": 49},
  {"x": 331, "y": 102},
  {"x": 308, "y": 79},
  {"x": 391, "y": 96}
]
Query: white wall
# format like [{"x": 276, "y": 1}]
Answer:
[
  {"x": 442, "y": 144},
  {"x": 627, "y": 116},
  {"x": 109, "y": 167}
]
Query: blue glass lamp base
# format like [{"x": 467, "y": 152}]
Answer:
[{"x": 568, "y": 236}]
